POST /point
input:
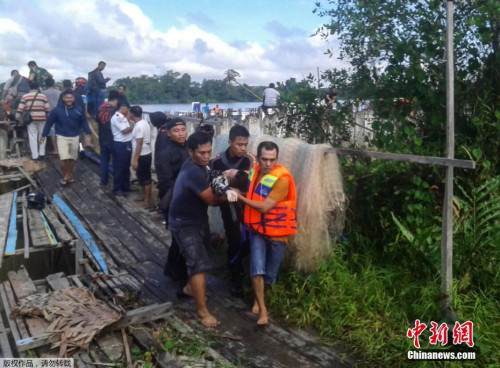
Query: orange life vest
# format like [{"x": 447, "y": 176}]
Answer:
[{"x": 281, "y": 219}]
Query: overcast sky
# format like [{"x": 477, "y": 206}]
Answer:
[{"x": 264, "y": 40}]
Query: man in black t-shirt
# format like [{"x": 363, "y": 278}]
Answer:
[
  {"x": 106, "y": 111},
  {"x": 235, "y": 158},
  {"x": 188, "y": 219}
]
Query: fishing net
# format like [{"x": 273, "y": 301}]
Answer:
[{"x": 321, "y": 201}]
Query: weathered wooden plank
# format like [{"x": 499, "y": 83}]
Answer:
[
  {"x": 26, "y": 239},
  {"x": 5, "y": 348},
  {"x": 37, "y": 229},
  {"x": 57, "y": 225},
  {"x": 48, "y": 230},
  {"x": 21, "y": 326},
  {"x": 10, "y": 247},
  {"x": 14, "y": 330},
  {"x": 142, "y": 315},
  {"x": 84, "y": 234},
  {"x": 58, "y": 281},
  {"x": 428, "y": 160},
  {"x": 5, "y": 209},
  {"x": 21, "y": 282},
  {"x": 27, "y": 176}
]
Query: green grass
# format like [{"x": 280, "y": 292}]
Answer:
[{"x": 368, "y": 308}]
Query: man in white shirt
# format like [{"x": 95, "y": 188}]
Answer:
[
  {"x": 122, "y": 150},
  {"x": 141, "y": 162}
]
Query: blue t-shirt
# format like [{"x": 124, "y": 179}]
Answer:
[{"x": 187, "y": 208}]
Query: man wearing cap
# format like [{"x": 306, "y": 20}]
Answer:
[
  {"x": 69, "y": 120},
  {"x": 169, "y": 160},
  {"x": 122, "y": 150}
]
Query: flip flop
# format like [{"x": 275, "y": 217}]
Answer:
[
  {"x": 70, "y": 180},
  {"x": 64, "y": 182}
]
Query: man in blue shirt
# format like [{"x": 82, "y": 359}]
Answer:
[
  {"x": 188, "y": 219},
  {"x": 69, "y": 120}
]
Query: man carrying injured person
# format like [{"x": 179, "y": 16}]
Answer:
[{"x": 188, "y": 218}]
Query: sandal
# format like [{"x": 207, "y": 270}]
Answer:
[
  {"x": 70, "y": 180},
  {"x": 64, "y": 182}
]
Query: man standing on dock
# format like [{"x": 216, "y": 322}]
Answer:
[
  {"x": 122, "y": 150},
  {"x": 106, "y": 112},
  {"x": 270, "y": 208},
  {"x": 141, "y": 162},
  {"x": 188, "y": 219},
  {"x": 69, "y": 120},
  {"x": 97, "y": 87}
]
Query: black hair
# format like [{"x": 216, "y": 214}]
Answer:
[
  {"x": 124, "y": 86},
  {"x": 198, "y": 139},
  {"x": 268, "y": 146},
  {"x": 14, "y": 71},
  {"x": 49, "y": 82},
  {"x": 136, "y": 111},
  {"x": 238, "y": 131},
  {"x": 66, "y": 92},
  {"x": 32, "y": 63},
  {"x": 271, "y": 85},
  {"x": 157, "y": 118},
  {"x": 123, "y": 104},
  {"x": 67, "y": 83},
  {"x": 101, "y": 62},
  {"x": 33, "y": 84},
  {"x": 113, "y": 95}
]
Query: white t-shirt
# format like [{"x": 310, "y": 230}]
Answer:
[
  {"x": 142, "y": 130},
  {"x": 270, "y": 97},
  {"x": 119, "y": 123}
]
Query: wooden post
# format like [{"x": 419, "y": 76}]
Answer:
[{"x": 447, "y": 229}]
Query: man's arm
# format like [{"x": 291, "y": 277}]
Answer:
[
  {"x": 209, "y": 197},
  {"x": 138, "y": 149},
  {"x": 48, "y": 125},
  {"x": 262, "y": 207}
]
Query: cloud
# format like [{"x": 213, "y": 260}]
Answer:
[
  {"x": 281, "y": 31},
  {"x": 69, "y": 37}
]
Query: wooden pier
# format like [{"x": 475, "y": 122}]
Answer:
[{"x": 133, "y": 244}]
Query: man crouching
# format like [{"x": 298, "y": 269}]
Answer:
[{"x": 188, "y": 218}]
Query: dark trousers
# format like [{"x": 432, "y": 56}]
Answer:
[
  {"x": 106, "y": 149},
  {"x": 122, "y": 154},
  {"x": 236, "y": 249}
]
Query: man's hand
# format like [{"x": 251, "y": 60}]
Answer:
[
  {"x": 232, "y": 196},
  {"x": 42, "y": 139},
  {"x": 135, "y": 164}
]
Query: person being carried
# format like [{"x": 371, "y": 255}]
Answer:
[
  {"x": 234, "y": 161},
  {"x": 269, "y": 215},
  {"x": 69, "y": 120},
  {"x": 188, "y": 218},
  {"x": 141, "y": 162}
]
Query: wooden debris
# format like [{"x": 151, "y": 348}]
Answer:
[{"x": 5, "y": 207}]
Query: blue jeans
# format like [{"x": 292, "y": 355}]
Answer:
[
  {"x": 265, "y": 257},
  {"x": 122, "y": 154},
  {"x": 105, "y": 157}
]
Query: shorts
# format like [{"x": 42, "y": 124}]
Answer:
[
  {"x": 194, "y": 243},
  {"x": 265, "y": 257},
  {"x": 144, "y": 170},
  {"x": 68, "y": 147}
]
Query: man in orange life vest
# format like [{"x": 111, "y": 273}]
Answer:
[{"x": 270, "y": 218}]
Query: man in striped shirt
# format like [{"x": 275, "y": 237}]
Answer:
[{"x": 38, "y": 105}]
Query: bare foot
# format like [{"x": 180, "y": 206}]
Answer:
[
  {"x": 187, "y": 290},
  {"x": 262, "y": 321},
  {"x": 139, "y": 200},
  {"x": 255, "y": 308},
  {"x": 144, "y": 205},
  {"x": 207, "y": 320}
]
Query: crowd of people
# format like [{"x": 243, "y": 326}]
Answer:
[{"x": 255, "y": 194}]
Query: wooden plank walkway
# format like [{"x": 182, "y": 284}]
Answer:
[{"x": 135, "y": 240}]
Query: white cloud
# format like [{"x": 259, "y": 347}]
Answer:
[{"x": 70, "y": 37}]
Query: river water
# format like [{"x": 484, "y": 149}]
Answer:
[{"x": 188, "y": 107}]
